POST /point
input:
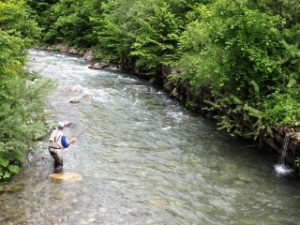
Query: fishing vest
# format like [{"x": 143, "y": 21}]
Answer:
[{"x": 55, "y": 139}]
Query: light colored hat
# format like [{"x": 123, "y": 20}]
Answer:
[{"x": 60, "y": 124}]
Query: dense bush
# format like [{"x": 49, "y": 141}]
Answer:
[
  {"x": 21, "y": 109},
  {"x": 248, "y": 59}
]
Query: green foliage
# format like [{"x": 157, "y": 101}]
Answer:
[
  {"x": 67, "y": 22},
  {"x": 241, "y": 51},
  {"x": 282, "y": 108},
  {"x": 145, "y": 35},
  {"x": 245, "y": 52},
  {"x": 252, "y": 45},
  {"x": 239, "y": 118},
  {"x": 157, "y": 36},
  {"x": 115, "y": 28},
  {"x": 12, "y": 56},
  {"x": 6, "y": 169},
  {"x": 297, "y": 161},
  {"x": 4, "y": 163},
  {"x": 21, "y": 118},
  {"x": 21, "y": 108},
  {"x": 41, "y": 11},
  {"x": 15, "y": 20}
]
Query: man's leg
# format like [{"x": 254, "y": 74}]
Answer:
[{"x": 58, "y": 159}]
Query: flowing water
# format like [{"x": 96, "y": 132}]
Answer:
[
  {"x": 285, "y": 147},
  {"x": 144, "y": 160},
  {"x": 281, "y": 168}
]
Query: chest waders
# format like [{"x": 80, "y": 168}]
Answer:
[{"x": 55, "y": 149}]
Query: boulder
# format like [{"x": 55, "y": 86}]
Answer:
[
  {"x": 174, "y": 93},
  {"x": 76, "y": 88},
  {"x": 72, "y": 177},
  {"x": 168, "y": 86},
  {"x": 73, "y": 51},
  {"x": 99, "y": 65},
  {"x": 74, "y": 101},
  {"x": 88, "y": 95},
  {"x": 67, "y": 123},
  {"x": 88, "y": 55},
  {"x": 61, "y": 48}
]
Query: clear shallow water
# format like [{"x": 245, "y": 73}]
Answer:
[{"x": 145, "y": 160}]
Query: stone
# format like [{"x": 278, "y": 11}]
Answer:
[
  {"x": 74, "y": 101},
  {"x": 168, "y": 86},
  {"x": 88, "y": 95},
  {"x": 174, "y": 93},
  {"x": 62, "y": 48},
  {"x": 152, "y": 80},
  {"x": 72, "y": 50},
  {"x": 99, "y": 65},
  {"x": 88, "y": 56},
  {"x": 67, "y": 123},
  {"x": 76, "y": 88},
  {"x": 72, "y": 177},
  {"x": 14, "y": 188}
]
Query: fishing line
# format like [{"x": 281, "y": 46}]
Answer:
[{"x": 83, "y": 131}]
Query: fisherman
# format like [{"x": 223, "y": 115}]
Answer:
[{"x": 58, "y": 141}]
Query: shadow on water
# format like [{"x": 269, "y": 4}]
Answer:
[{"x": 145, "y": 160}]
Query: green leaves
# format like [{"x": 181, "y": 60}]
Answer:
[
  {"x": 238, "y": 50},
  {"x": 21, "y": 117},
  {"x": 245, "y": 52},
  {"x": 147, "y": 33},
  {"x": 21, "y": 108},
  {"x": 15, "y": 21},
  {"x": 4, "y": 162},
  {"x": 14, "y": 169},
  {"x": 7, "y": 170},
  {"x": 157, "y": 37}
]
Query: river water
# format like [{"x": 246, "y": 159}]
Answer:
[{"x": 144, "y": 160}]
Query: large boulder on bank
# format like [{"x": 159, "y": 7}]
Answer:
[
  {"x": 174, "y": 93},
  {"x": 88, "y": 56},
  {"x": 168, "y": 86},
  {"x": 99, "y": 65}
]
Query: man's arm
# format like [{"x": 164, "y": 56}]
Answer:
[{"x": 65, "y": 142}]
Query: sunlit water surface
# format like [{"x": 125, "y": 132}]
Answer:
[{"x": 144, "y": 160}]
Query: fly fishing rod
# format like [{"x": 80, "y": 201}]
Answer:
[{"x": 84, "y": 130}]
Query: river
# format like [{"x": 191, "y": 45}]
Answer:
[{"x": 143, "y": 160}]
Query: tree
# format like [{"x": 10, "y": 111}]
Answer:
[
  {"x": 21, "y": 108},
  {"x": 248, "y": 60}
]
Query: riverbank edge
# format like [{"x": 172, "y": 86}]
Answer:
[{"x": 196, "y": 104}]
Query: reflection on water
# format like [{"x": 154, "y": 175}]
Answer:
[{"x": 145, "y": 160}]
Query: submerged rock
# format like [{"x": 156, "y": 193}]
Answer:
[
  {"x": 74, "y": 101},
  {"x": 14, "y": 188},
  {"x": 66, "y": 177},
  {"x": 88, "y": 95},
  {"x": 76, "y": 88}
]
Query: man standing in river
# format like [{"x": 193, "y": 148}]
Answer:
[{"x": 58, "y": 141}]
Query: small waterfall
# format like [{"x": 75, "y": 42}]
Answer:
[
  {"x": 282, "y": 169},
  {"x": 284, "y": 147}
]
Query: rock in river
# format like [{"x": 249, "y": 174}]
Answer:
[{"x": 66, "y": 177}]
